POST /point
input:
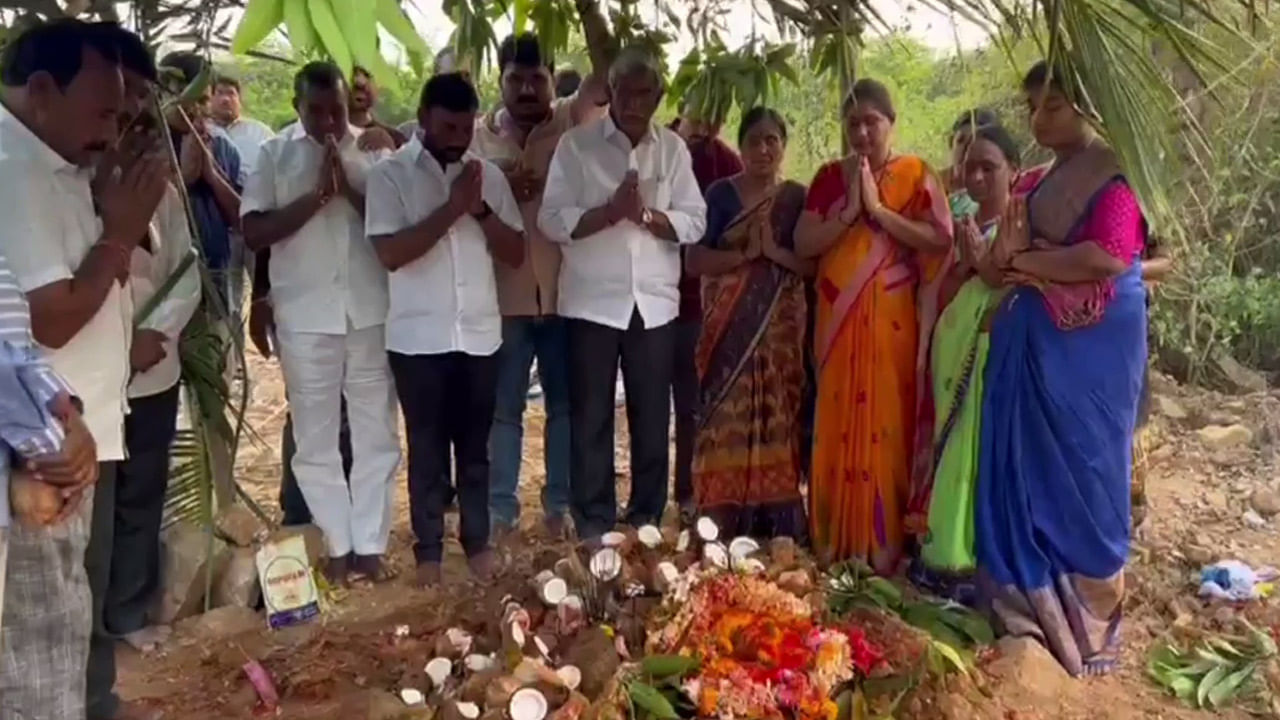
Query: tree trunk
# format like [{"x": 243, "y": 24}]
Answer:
[{"x": 602, "y": 47}]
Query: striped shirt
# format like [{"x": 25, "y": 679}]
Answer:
[{"x": 28, "y": 387}]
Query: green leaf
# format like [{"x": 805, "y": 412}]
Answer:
[
  {"x": 664, "y": 666},
  {"x": 950, "y": 654},
  {"x": 649, "y": 699},
  {"x": 1213, "y": 677},
  {"x": 1224, "y": 690}
]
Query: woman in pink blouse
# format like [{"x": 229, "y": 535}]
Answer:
[{"x": 1060, "y": 399}]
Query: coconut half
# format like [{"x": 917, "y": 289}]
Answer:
[
  {"x": 476, "y": 662},
  {"x": 553, "y": 591},
  {"x": 439, "y": 669},
  {"x": 460, "y": 640},
  {"x": 412, "y": 697},
  {"x": 664, "y": 575},
  {"x": 649, "y": 536},
  {"x": 570, "y": 675},
  {"x": 715, "y": 555},
  {"x": 517, "y": 634},
  {"x": 468, "y": 710},
  {"x": 751, "y": 566},
  {"x": 613, "y": 539},
  {"x": 707, "y": 529},
  {"x": 606, "y": 564},
  {"x": 542, "y": 647},
  {"x": 527, "y": 704},
  {"x": 741, "y": 547},
  {"x": 683, "y": 540}
]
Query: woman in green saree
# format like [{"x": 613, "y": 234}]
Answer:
[{"x": 958, "y": 356}]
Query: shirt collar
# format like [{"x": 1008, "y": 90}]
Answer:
[
  {"x": 29, "y": 144},
  {"x": 421, "y": 157},
  {"x": 297, "y": 132},
  {"x": 614, "y": 134}
]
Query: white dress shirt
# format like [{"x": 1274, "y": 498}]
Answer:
[
  {"x": 446, "y": 300},
  {"x": 47, "y": 226},
  {"x": 247, "y": 135},
  {"x": 606, "y": 276},
  {"x": 327, "y": 273},
  {"x": 170, "y": 240}
]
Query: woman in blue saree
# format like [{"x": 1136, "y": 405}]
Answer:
[{"x": 1063, "y": 376}]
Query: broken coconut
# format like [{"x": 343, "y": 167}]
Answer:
[
  {"x": 476, "y": 686},
  {"x": 741, "y": 548},
  {"x": 664, "y": 575},
  {"x": 460, "y": 711},
  {"x": 453, "y": 643},
  {"x": 751, "y": 566},
  {"x": 707, "y": 529},
  {"x": 570, "y": 615},
  {"x": 714, "y": 555},
  {"x": 570, "y": 675},
  {"x": 649, "y": 536},
  {"x": 439, "y": 669},
  {"x": 606, "y": 564},
  {"x": 531, "y": 671},
  {"x": 527, "y": 704},
  {"x": 683, "y": 540},
  {"x": 551, "y": 589},
  {"x": 499, "y": 691},
  {"x": 412, "y": 697},
  {"x": 475, "y": 662},
  {"x": 613, "y": 539}
]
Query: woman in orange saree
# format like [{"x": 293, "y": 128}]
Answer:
[{"x": 880, "y": 227}]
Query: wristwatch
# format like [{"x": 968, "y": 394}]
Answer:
[{"x": 485, "y": 212}]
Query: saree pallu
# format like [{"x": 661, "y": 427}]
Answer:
[
  {"x": 876, "y": 304},
  {"x": 751, "y": 365},
  {"x": 958, "y": 358},
  {"x": 1052, "y": 505}
]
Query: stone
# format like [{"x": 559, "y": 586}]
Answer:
[
  {"x": 311, "y": 535},
  {"x": 1170, "y": 408},
  {"x": 238, "y": 583},
  {"x": 1253, "y": 520},
  {"x": 1225, "y": 437},
  {"x": 1265, "y": 502},
  {"x": 238, "y": 525},
  {"x": 1027, "y": 669},
  {"x": 1236, "y": 378},
  {"x": 185, "y": 551},
  {"x": 222, "y": 623}
]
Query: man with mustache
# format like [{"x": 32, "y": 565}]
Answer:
[
  {"x": 621, "y": 198},
  {"x": 520, "y": 137},
  {"x": 439, "y": 217},
  {"x": 70, "y": 250},
  {"x": 305, "y": 200},
  {"x": 364, "y": 95}
]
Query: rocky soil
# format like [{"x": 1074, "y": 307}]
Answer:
[{"x": 1214, "y": 494}]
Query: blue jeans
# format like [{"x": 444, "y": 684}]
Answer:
[{"x": 523, "y": 338}]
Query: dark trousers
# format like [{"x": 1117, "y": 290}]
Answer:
[
  {"x": 647, "y": 356},
  {"x": 447, "y": 400},
  {"x": 141, "y": 483},
  {"x": 686, "y": 394},
  {"x": 293, "y": 505},
  {"x": 100, "y": 696}
]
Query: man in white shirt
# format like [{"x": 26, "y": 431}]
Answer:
[
  {"x": 305, "y": 200},
  {"x": 245, "y": 133},
  {"x": 439, "y": 217},
  {"x": 62, "y": 95},
  {"x": 165, "y": 252},
  {"x": 520, "y": 137},
  {"x": 621, "y": 198}
]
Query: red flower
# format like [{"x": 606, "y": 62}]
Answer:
[{"x": 864, "y": 654}]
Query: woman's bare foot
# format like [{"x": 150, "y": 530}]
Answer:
[{"x": 481, "y": 565}]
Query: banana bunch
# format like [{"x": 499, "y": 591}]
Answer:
[{"x": 343, "y": 31}]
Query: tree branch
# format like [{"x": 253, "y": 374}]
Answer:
[{"x": 601, "y": 45}]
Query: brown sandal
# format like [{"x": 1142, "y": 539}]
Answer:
[{"x": 372, "y": 569}]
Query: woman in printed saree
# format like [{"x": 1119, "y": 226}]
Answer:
[
  {"x": 959, "y": 139},
  {"x": 879, "y": 226},
  {"x": 958, "y": 357},
  {"x": 750, "y": 358},
  {"x": 1060, "y": 398}
]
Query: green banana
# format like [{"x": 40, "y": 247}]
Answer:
[
  {"x": 259, "y": 19},
  {"x": 331, "y": 39},
  {"x": 302, "y": 34},
  {"x": 397, "y": 23}
]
